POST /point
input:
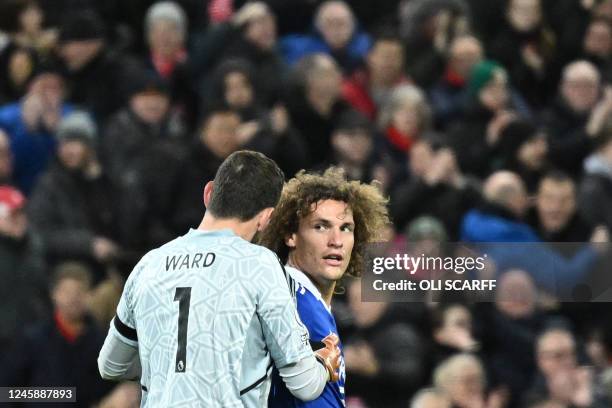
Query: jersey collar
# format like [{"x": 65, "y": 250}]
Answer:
[{"x": 303, "y": 279}]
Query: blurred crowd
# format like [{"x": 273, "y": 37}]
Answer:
[{"x": 482, "y": 121}]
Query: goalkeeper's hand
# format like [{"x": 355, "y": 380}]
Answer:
[{"x": 329, "y": 356}]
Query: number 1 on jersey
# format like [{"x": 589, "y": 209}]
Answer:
[{"x": 183, "y": 296}]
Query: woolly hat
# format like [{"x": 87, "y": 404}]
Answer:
[
  {"x": 481, "y": 74},
  {"x": 77, "y": 125}
]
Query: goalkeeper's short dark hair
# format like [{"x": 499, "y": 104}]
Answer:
[{"x": 246, "y": 183}]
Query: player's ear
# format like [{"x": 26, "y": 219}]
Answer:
[
  {"x": 208, "y": 189},
  {"x": 264, "y": 218},
  {"x": 290, "y": 240}
]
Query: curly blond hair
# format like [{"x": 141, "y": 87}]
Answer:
[{"x": 305, "y": 190}]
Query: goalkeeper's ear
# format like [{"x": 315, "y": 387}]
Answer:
[
  {"x": 208, "y": 191},
  {"x": 263, "y": 218}
]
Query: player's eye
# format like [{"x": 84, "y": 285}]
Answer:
[
  {"x": 347, "y": 228},
  {"x": 320, "y": 227}
]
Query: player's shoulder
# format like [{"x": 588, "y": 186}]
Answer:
[{"x": 304, "y": 284}]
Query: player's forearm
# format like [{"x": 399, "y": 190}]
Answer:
[
  {"x": 305, "y": 379},
  {"x": 118, "y": 360}
]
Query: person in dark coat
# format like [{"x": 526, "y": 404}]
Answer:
[
  {"x": 216, "y": 140},
  {"x": 22, "y": 268},
  {"x": 94, "y": 72},
  {"x": 555, "y": 216},
  {"x": 61, "y": 351},
  {"x": 577, "y": 117},
  {"x": 525, "y": 46},
  {"x": 427, "y": 28},
  {"x": 597, "y": 46},
  {"x": 522, "y": 148},
  {"x": 436, "y": 187},
  {"x": 384, "y": 355},
  {"x": 507, "y": 329},
  {"x": 251, "y": 35},
  {"x": 315, "y": 104},
  {"x": 488, "y": 109},
  {"x": 595, "y": 197},
  {"x": 353, "y": 149},
  {"x": 73, "y": 206}
]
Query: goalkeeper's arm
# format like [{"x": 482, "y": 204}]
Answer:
[
  {"x": 118, "y": 359},
  {"x": 306, "y": 379}
]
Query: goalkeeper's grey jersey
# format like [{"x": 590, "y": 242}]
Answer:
[{"x": 210, "y": 314}]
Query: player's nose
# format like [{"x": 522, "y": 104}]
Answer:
[{"x": 335, "y": 238}]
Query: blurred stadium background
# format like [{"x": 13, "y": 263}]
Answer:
[{"x": 482, "y": 120}]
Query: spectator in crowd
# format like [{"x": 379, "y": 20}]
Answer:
[
  {"x": 428, "y": 27},
  {"x": 451, "y": 332},
  {"x": 449, "y": 91},
  {"x": 499, "y": 219},
  {"x": 336, "y": 33},
  {"x": 369, "y": 88},
  {"x": 17, "y": 67},
  {"x": 555, "y": 216},
  {"x": 133, "y": 131},
  {"x": 596, "y": 187},
  {"x": 353, "y": 149},
  {"x": 6, "y": 159},
  {"x": 315, "y": 104},
  {"x": 140, "y": 136},
  {"x": 525, "y": 46},
  {"x": 436, "y": 187},
  {"x": 430, "y": 398},
  {"x": 166, "y": 36},
  {"x": 31, "y": 124},
  {"x": 560, "y": 377},
  {"x": 275, "y": 135},
  {"x": 30, "y": 32},
  {"x": 604, "y": 380},
  {"x": 576, "y": 118},
  {"x": 597, "y": 46},
  {"x": 217, "y": 139},
  {"x": 522, "y": 148},
  {"x": 463, "y": 379},
  {"x": 22, "y": 267},
  {"x": 508, "y": 329},
  {"x": 233, "y": 85},
  {"x": 251, "y": 35},
  {"x": 74, "y": 204},
  {"x": 51, "y": 353},
  {"x": 384, "y": 355},
  {"x": 94, "y": 73},
  {"x": 404, "y": 118},
  {"x": 487, "y": 110}
]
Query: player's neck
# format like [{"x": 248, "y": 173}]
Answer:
[
  {"x": 327, "y": 291},
  {"x": 244, "y": 230}
]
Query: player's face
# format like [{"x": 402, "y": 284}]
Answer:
[{"x": 323, "y": 244}]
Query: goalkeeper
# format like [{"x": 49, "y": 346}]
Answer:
[{"x": 319, "y": 228}]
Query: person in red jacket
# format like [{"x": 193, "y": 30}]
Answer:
[{"x": 367, "y": 89}]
